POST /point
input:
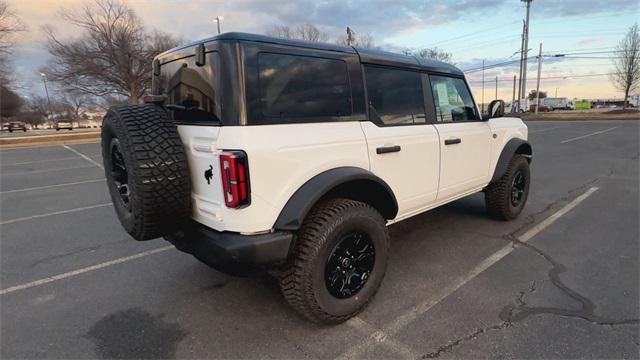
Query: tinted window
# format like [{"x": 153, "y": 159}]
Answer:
[
  {"x": 302, "y": 86},
  {"x": 395, "y": 96},
  {"x": 193, "y": 90},
  {"x": 452, "y": 99}
]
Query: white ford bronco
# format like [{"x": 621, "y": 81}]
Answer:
[{"x": 262, "y": 153}]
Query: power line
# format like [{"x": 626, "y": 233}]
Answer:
[
  {"x": 471, "y": 34},
  {"x": 543, "y": 78}
]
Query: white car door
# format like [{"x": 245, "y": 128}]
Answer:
[
  {"x": 402, "y": 145},
  {"x": 465, "y": 140}
]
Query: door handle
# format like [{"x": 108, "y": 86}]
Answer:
[
  {"x": 387, "y": 149},
  {"x": 452, "y": 141}
]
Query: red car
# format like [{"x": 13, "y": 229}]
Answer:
[
  {"x": 17, "y": 125},
  {"x": 543, "y": 108}
]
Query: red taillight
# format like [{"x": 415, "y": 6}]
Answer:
[{"x": 234, "y": 170}]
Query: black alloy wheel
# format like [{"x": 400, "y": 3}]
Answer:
[
  {"x": 120, "y": 174},
  {"x": 349, "y": 265},
  {"x": 518, "y": 187}
]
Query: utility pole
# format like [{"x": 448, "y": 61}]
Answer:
[
  {"x": 218, "y": 20},
  {"x": 482, "y": 103},
  {"x": 513, "y": 97},
  {"x": 349, "y": 36},
  {"x": 44, "y": 80},
  {"x": 538, "y": 82},
  {"x": 524, "y": 26},
  {"x": 496, "y": 88},
  {"x": 556, "y": 92},
  {"x": 525, "y": 49}
]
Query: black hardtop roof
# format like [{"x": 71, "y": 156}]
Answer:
[{"x": 372, "y": 56}]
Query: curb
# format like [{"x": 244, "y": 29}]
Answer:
[{"x": 57, "y": 139}]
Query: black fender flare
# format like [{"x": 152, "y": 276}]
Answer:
[
  {"x": 513, "y": 146},
  {"x": 296, "y": 209}
]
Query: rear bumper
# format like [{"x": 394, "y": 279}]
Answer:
[{"x": 230, "y": 252}]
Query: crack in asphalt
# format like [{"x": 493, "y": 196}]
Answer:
[
  {"x": 587, "y": 306},
  {"x": 510, "y": 315},
  {"x": 506, "y": 322}
]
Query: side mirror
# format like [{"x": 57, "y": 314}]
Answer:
[{"x": 496, "y": 109}]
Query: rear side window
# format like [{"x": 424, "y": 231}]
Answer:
[
  {"x": 293, "y": 86},
  {"x": 192, "y": 91},
  {"x": 452, "y": 100},
  {"x": 395, "y": 96}
]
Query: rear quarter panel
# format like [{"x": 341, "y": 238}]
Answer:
[{"x": 281, "y": 159}]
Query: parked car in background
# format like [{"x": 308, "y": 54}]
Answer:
[
  {"x": 16, "y": 125},
  {"x": 64, "y": 125},
  {"x": 542, "y": 108},
  {"x": 557, "y": 103}
]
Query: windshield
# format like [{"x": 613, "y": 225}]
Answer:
[{"x": 192, "y": 90}]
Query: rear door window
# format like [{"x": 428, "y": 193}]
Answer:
[
  {"x": 302, "y": 87},
  {"x": 394, "y": 96}
]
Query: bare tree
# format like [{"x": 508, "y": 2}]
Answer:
[
  {"x": 112, "y": 56},
  {"x": 533, "y": 94},
  {"x": 10, "y": 26},
  {"x": 626, "y": 62},
  {"x": 435, "y": 54},
  {"x": 307, "y": 32},
  {"x": 10, "y": 102}
]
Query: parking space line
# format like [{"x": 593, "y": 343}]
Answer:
[
  {"x": 380, "y": 337},
  {"x": 51, "y": 186},
  {"x": 585, "y": 136},
  {"x": 83, "y": 270},
  {"x": 405, "y": 319},
  {"x": 22, "y": 173},
  {"x": 40, "y": 161},
  {"x": 83, "y": 156},
  {"x": 53, "y": 213}
]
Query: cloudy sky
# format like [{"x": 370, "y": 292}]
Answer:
[{"x": 472, "y": 30}]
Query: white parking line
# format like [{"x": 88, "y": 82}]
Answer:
[
  {"x": 53, "y": 213},
  {"x": 83, "y": 270},
  {"x": 39, "y": 161},
  {"x": 23, "y": 173},
  {"x": 413, "y": 313},
  {"x": 83, "y": 156},
  {"x": 51, "y": 186},
  {"x": 585, "y": 136}
]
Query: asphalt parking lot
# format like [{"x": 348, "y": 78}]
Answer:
[{"x": 561, "y": 281}]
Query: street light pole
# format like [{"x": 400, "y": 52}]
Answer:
[
  {"x": 44, "y": 80},
  {"x": 218, "y": 20}
]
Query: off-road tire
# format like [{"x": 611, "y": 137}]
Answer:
[
  {"x": 159, "y": 200},
  {"x": 497, "y": 195},
  {"x": 302, "y": 278}
]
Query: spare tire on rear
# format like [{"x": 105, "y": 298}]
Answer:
[{"x": 146, "y": 169}]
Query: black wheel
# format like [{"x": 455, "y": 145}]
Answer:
[
  {"x": 146, "y": 170},
  {"x": 10, "y": 130},
  {"x": 338, "y": 262},
  {"x": 506, "y": 197}
]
